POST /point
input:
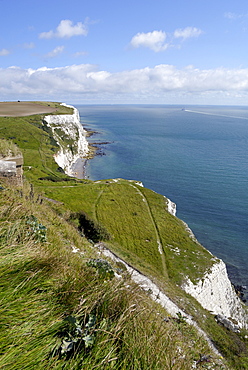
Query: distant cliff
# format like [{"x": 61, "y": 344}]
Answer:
[{"x": 71, "y": 138}]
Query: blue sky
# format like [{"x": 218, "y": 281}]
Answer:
[{"x": 149, "y": 51}]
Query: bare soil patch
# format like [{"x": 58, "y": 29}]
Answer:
[{"x": 17, "y": 109}]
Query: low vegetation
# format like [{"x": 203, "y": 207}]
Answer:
[
  {"x": 61, "y": 309},
  {"x": 137, "y": 219},
  {"x": 64, "y": 305},
  {"x": 8, "y": 149}
]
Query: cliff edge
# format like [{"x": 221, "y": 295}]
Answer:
[
  {"x": 71, "y": 138},
  {"x": 216, "y": 294},
  {"x": 214, "y": 290}
]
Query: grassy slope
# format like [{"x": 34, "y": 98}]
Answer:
[
  {"x": 43, "y": 282},
  {"x": 137, "y": 219},
  {"x": 41, "y": 273}
]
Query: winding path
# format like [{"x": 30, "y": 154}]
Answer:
[
  {"x": 156, "y": 294},
  {"x": 159, "y": 241},
  {"x": 146, "y": 283}
]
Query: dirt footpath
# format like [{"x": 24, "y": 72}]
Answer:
[{"x": 15, "y": 109}]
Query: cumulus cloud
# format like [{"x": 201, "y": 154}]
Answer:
[
  {"x": 85, "y": 80},
  {"x": 156, "y": 40},
  {"x": 66, "y": 29},
  {"x": 153, "y": 40},
  {"x": 56, "y": 51},
  {"x": 188, "y": 32},
  {"x": 4, "y": 52}
]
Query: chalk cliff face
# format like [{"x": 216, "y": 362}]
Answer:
[
  {"x": 214, "y": 291},
  {"x": 172, "y": 208},
  {"x": 72, "y": 130},
  {"x": 216, "y": 294}
]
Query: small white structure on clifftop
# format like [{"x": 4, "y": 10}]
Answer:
[{"x": 11, "y": 169}]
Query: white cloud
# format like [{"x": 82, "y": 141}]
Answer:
[
  {"x": 235, "y": 16},
  {"x": 187, "y": 32},
  {"x": 52, "y": 54},
  {"x": 230, "y": 15},
  {"x": 66, "y": 29},
  {"x": 158, "y": 84},
  {"x": 153, "y": 40},
  {"x": 80, "y": 54},
  {"x": 4, "y": 52},
  {"x": 29, "y": 45}
]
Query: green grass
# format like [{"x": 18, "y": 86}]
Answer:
[
  {"x": 42, "y": 283},
  {"x": 137, "y": 218},
  {"x": 178, "y": 246},
  {"x": 61, "y": 109},
  {"x": 7, "y": 148}
]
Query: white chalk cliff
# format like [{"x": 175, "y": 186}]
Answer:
[
  {"x": 171, "y": 207},
  {"x": 73, "y": 130},
  {"x": 216, "y": 294},
  {"x": 214, "y": 290}
]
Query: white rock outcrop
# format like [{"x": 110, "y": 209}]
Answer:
[
  {"x": 70, "y": 124},
  {"x": 171, "y": 207},
  {"x": 155, "y": 293},
  {"x": 216, "y": 294},
  {"x": 214, "y": 291}
]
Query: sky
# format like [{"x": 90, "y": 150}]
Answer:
[{"x": 122, "y": 52}]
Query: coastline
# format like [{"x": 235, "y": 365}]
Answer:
[
  {"x": 97, "y": 149},
  {"x": 78, "y": 168},
  {"x": 215, "y": 216},
  {"x": 74, "y": 147}
]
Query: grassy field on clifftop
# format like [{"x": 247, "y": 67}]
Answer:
[{"x": 62, "y": 306}]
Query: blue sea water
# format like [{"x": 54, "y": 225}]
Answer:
[{"x": 196, "y": 155}]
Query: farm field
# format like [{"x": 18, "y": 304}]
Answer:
[{"x": 18, "y": 109}]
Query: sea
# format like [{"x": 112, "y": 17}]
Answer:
[{"x": 197, "y": 156}]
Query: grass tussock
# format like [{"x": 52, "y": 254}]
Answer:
[
  {"x": 8, "y": 149},
  {"x": 58, "y": 311}
]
